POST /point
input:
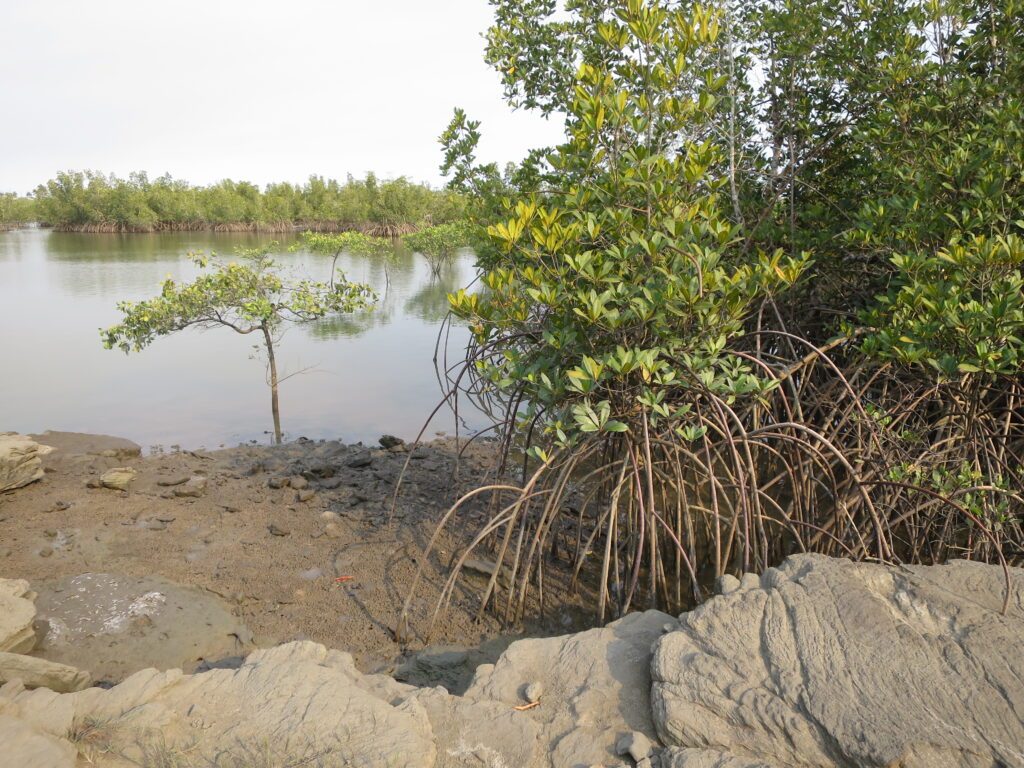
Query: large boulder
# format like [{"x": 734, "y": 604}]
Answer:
[
  {"x": 20, "y": 460},
  {"x": 17, "y": 614},
  {"x": 827, "y": 662}
]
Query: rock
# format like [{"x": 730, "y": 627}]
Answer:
[
  {"x": 26, "y": 747},
  {"x": 279, "y": 707},
  {"x": 298, "y": 482},
  {"x": 487, "y": 568},
  {"x": 17, "y": 613},
  {"x": 449, "y": 666},
  {"x": 278, "y": 530},
  {"x": 390, "y": 441},
  {"x": 68, "y": 445},
  {"x": 835, "y": 663},
  {"x": 118, "y": 479},
  {"x": 533, "y": 692},
  {"x": 634, "y": 744},
  {"x": 39, "y": 673},
  {"x": 169, "y": 482},
  {"x": 194, "y": 488},
  {"x": 306, "y": 494},
  {"x": 20, "y": 461},
  {"x": 596, "y": 686},
  {"x": 360, "y": 460},
  {"x": 333, "y": 531},
  {"x": 278, "y": 482}
]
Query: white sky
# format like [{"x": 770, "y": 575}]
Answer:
[{"x": 262, "y": 90}]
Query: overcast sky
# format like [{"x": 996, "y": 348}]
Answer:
[{"x": 262, "y": 90}]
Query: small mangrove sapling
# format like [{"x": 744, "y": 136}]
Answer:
[{"x": 247, "y": 295}]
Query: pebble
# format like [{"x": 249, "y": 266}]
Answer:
[
  {"x": 172, "y": 481},
  {"x": 533, "y": 692},
  {"x": 277, "y": 530},
  {"x": 298, "y": 482},
  {"x": 278, "y": 482},
  {"x": 635, "y": 744},
  {"x": 306, "y": 494},
  {"x": 46, "y": 551}
]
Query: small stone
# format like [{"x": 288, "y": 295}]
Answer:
[
  {"x": 360, "y": 460},
  {"x": 278, "y": 482},
  {"x": 277, "y": 530},
  {"x": 306, "y": 494},
  {"x": 533, "y": 692},
  {"x": 298, "y": 482},
  {"x": 118, "y": 479},
  {"x": 332, "y": 531},
  {"x": 194, "y": 488},
  {"x": 60, "y": 506},
  {"x": 390, "y": 441},
  {"x": 635, "y": 744},
  {"x": 174, "y": 480},
  {"x": 46, "y": 551}
]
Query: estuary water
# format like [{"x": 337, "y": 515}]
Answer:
[{"x": 356, "y": 376}]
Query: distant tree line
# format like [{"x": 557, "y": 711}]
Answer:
[
  {"x": 15, "y": 210},
  {"x": 96, "y": 202}
]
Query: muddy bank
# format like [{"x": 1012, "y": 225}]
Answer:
[{"x": 293, "y": 542}]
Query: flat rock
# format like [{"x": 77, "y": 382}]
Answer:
[
  {"x": 40, "y": 673},
  {"x": 21, "y": 461},
  {"x": 17, "y": 613},
  {"x": 833, "y": 663}
]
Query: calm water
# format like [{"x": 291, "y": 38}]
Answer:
[{"x": 370, "y": 373}]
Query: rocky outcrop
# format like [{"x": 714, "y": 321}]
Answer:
[
  {"x": 817, "y": 663},
  {"x": 302, "y": 699},
  {"x": 17, "y": 613},
  {"x": 20, "y": 461},
  {"x": 826, "y": 662},
  {"x": 596, "y": 686}
]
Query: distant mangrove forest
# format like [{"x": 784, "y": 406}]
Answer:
[{"x": 89, "y": 201}]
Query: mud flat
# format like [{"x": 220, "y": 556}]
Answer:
[{"x": 205, "y": 556}]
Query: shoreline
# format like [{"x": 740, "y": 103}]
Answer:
[{"x": 292, "y": 541}]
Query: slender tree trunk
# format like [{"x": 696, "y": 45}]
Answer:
[{"x": 272, "y": 362}]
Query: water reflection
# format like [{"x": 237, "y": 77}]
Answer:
[{"x": 374, "y": 369}]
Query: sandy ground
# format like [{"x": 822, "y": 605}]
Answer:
[{"x": 322, "y": 562}]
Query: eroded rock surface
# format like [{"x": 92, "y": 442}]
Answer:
[
  {"x": 826, "y": 662},
  {"x": 819, "y": 663}
]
